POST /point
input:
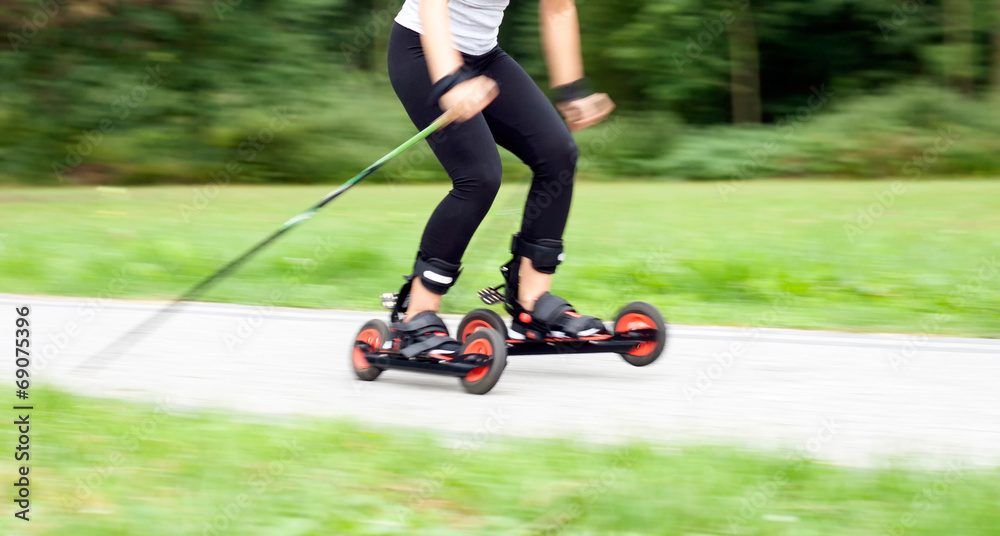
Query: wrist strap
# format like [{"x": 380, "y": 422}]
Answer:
[
  {"x": 574, "y": 91},
  {"x": 448, "y": 83}
]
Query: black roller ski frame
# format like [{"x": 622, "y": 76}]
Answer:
[
  {"x": 478, "y": 365},
  {"x": 638, "y": 333}
]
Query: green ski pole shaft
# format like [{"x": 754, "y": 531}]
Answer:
[{"x": 126, "y": 341}]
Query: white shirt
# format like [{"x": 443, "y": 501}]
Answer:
[{"x": 474, "y": 23}]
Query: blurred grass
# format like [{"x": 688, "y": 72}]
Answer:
[
  {"x": 772, "y": 253},
  {"x": 107, "y": 468}
]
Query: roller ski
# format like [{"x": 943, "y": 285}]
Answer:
[
  {"x": 423, "y": 344},
  {"x": 483, "y": 341},
  {"x": 638, "y": 333}
]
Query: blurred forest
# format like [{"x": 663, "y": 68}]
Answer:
[{"x": 99, "y": 91}]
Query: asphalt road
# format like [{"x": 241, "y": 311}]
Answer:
[{"x": 845, "y": 398}]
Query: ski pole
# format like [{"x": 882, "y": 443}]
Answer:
[{"x": 126, "y": 341}]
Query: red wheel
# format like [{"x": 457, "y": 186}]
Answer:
[
  {"x": 478, "y": 346},
  {"x": 481, "y": 319},
  {"x": 480, "y": 380},
  {"x": 373, "y": 335},
  {"x": 641, "y": 315}
]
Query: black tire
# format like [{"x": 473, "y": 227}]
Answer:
[
  {"x": 375, "y": 333},
  {"x": 480, "y": 319},
  {"x": 643, "y": 312},
  {"x": 488, "y": 342}
]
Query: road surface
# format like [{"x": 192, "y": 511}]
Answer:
[{"x": 844, "y": 398}]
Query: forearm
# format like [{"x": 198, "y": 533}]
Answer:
[
  {"x": 560, "y": 29},
  {"x": 439, "y": 49}
]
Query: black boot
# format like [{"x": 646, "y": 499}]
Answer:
[
  {"x": 425, "y": 335},
  {"x": 552, "y": 316}
]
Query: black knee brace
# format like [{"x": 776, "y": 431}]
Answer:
[
  {"x": 436, "y": 275},
  {"x": 545, "y": 253}
]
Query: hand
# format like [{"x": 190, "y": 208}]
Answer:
[
  {"x": 469, "y": 98},
  {"x": 586, "y": 112}
]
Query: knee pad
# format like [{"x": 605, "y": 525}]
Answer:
[
  {"x": 435, "y": 274},
  {"x": 545, "y": 253}
]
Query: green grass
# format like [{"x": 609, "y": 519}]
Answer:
[
  {"x": 772, "y": 253},
  {"x": 106, "y": 468}
]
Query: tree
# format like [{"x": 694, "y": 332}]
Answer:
[
  {"x": 744, "y": 64},
  {"x": 959, "y": 59},
  {"x": 996, "y": 50}
]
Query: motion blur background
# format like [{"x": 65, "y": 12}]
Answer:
[
  {"x": 823, "y": 164},
  {"x": 699, "y": 83}
]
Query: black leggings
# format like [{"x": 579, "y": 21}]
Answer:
[{"x": 521, "y": 120}]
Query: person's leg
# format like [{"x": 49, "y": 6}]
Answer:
[
  {"x": 524, "y": 122},
  {"x": 532, "y": 285},
  {"x": 468, "y": 153}
]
